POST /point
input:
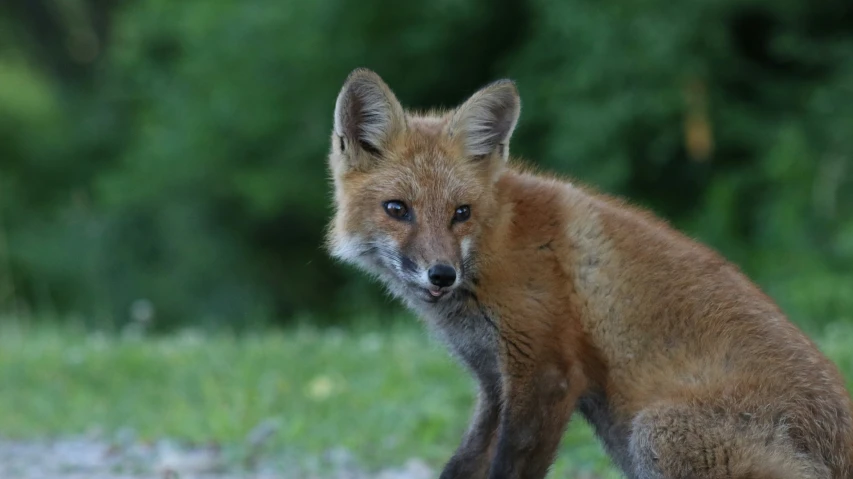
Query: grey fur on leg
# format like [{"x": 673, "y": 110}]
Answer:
[
  {"x": 642, "y": 450},
  {"x": 472, "y": 458}
]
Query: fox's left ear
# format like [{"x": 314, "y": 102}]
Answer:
[{"x": 486, "y": 121}]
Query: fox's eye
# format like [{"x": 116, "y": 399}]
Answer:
[
  {"x": 396, "y": 209},
  {"x": 462, "y": 214}
]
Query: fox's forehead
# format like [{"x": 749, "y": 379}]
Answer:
[
  {"x": 427, "y": 169},
  {"x": 424, "y": 136},
  {"x": 431, "y": 125},
  {"x": 429, "y": 176},
  {"x": 423, "y": 165}
]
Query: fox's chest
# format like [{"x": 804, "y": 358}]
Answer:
[{"x": 470, "y": 332}]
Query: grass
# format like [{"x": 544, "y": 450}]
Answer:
[{"x": 386, "y": 396}]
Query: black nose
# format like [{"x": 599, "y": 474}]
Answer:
[{"x": 442, "y": 275}]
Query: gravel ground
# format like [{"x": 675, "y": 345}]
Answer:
[{"x": 90, "y": 457}]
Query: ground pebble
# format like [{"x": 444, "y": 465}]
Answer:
[{"x": 93, "y": 457}]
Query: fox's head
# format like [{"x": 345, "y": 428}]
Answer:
[{"x": 414, "y": 192}]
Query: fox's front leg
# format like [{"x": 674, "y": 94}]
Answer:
[
  {"x": 471, "y": 459},
  {"x": 538, "y": 402}
]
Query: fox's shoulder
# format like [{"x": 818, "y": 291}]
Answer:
[
  {"x": 540, "y": 199},
  {"x": 582, "y": 221}
]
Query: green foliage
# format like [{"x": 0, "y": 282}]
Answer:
[
  {"x": 186, "y": 165},
  {"x": 770, "y": 80}
]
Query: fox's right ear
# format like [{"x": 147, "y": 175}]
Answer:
[
  {"x": 486, "y": 121},
  {"x": 367, "y": 116}
]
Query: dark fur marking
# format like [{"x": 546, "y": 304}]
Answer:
[
  {"x": 518, "y": 332},
  {"x": 707, "y": 462},
  {"x": 614, "y": 435},
  {"x": 369, "y": 148},
  {"x": 483, "y": 312},
  {"x": 517, "y": 348},
  {"x": 408, "y": 264},
  {"x": 546, "y": 246}
]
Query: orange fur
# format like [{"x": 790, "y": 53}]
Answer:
[{"x": 568, "y": 300}]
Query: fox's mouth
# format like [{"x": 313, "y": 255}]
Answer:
[{"x": 433, "y": 294}]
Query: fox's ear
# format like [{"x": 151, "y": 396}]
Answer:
[
  {"x": 486, "y": 121},
  {"x": 367, "y": 115}
]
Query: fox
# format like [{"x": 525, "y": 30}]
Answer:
[{"x": 558, "y": 299}]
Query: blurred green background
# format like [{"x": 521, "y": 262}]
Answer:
[
  {"x": 163, "y": 169},
  {"x": 169, "y": 156}
]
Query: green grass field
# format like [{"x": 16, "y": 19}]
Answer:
[{"x": 386, "y": 396}]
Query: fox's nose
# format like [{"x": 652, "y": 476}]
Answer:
[{"x": 442, "y": 275}]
